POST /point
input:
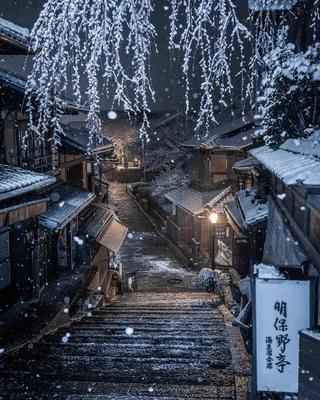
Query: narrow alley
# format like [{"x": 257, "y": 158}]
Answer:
[{"x": 165, "y": 341}]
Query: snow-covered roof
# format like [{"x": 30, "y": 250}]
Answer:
[
  {"x": 238, "y": 141},
  {"x": 78, "y": 141},
  {"x": 253, "y": 212},
  {"x": 234, "y": 212},
  {"x": 66, "y": 201},
  {"x": 93, "y": 218},
  {"x": 19, "y": 83},
  {"x": 233, "y": 134},
  {"x": 246, "y": 164},
  {"x": 196, "y": 202},
  {"x": 265, "y": 5},
  {"x": 15, "y": 181},
  {"x": 294, "y": 160},
  {"x": 15, "y": 34}
]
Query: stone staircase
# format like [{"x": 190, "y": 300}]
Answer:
[{"x": 178, "y": 350}]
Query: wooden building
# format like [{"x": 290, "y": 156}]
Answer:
[
  {"x": 21, "y": 202},
  {"x": 213, "y": 182},
  {"x": 86, "y": 159},
  {"x": 190, "y": 228},
  {"x": 43, "y": 228},
  {"x": 214, "y": 156}
]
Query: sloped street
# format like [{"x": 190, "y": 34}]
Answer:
[{"x": 166, "y": 341}]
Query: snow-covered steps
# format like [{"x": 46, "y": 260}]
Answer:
[{"x": 145, "y": 346}]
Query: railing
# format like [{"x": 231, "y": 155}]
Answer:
[
  {"x": 42, "y": 164},
  {"x": 173, "y": 230},
  {"x": 38, "y": 164}
]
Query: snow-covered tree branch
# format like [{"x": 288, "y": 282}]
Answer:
[
  {"x": 169, "y": 180},
  {"x": 91, "y": 39}
]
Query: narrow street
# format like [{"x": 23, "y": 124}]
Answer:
[
  {"x": 145, "y": 253},
  {"x": 164, "y": 342}
]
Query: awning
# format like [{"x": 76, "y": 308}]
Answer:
[
  {"x": 18, "y": 209},
  {"x": 112, "y": 236},
  {"x": 93, "y": 219},
  {"x": 66, "y": 202}
]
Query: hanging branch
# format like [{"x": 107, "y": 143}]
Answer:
[
  {"x": 211, "y": 33},
  {"x": 81, "y": 40}
]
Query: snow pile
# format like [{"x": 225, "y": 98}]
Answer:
[{"x": 268, "y": 272}]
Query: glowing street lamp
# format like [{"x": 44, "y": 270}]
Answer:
[{"x": 213, "y": 217}]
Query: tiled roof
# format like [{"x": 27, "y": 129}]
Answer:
[
  {"x": 238, "y": 141},
  {"x": 252, "y": 212},
  {"x": 93, "y": 218},
  {"x": 195, "y": 202},
  {"x": 291, "y": 163},
  {"x": 79, "y": 139},
  {"x": 234, "y": 213},
  {"x": 246, "y": 164},
  {"x": 19, "y": 83},
  {"x": 66, "y": 201},
  {"x": 234, "y": 134},
  {"x": 15, "y": 33},
  {"x": 15, "y": 181}
]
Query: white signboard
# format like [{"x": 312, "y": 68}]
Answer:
[{"x": 282, "y": 310}]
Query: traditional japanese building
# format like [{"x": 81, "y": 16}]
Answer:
[
  {"x": 65, "y": 199},
  {"x": 198, "y": 224},
  {"x": 21, "y": 203}
]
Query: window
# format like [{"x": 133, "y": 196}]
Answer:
[
  {"x": 314, "y": 229},
  {"x": 4, "y": 258}
]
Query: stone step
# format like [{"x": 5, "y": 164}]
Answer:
[
  {"x": 155, "y": 322},
  {"x": 57, "y": 388},
  {"x": 147, "y": 373},
  {"x": 168, "y": 339},
  {"x": 123, "y": 350},
  {"x": 147, "y": 312},
  {"x": 109, "y": 329}
]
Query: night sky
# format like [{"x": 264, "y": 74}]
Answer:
[{"x": 166, "y": 71}]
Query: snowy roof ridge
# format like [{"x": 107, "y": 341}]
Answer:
[
  {"x": 219, "y": 197},
  {"x": 195, "y": 202},
  {"x": 19, "y": 83},
  {"x": 15, "y": 181},
  {"x": 296, "y": 159},
  {"x": 253, "y": 212},
  {"x": 15, "y": 32}
]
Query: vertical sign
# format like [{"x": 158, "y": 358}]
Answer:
[{"x": 282, "y": 310}]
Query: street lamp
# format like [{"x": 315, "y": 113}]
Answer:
[{"x": 213, "y": 217}]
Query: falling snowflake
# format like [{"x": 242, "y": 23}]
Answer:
[
  {"x": 112, "y": 115},
  {"x": 281, "y": 196},
  {"x": 78, "y": 240},
  {"x": 129, "y": 331}
]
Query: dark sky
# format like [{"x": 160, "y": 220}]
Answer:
[{"x": 166, "y": 75}]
